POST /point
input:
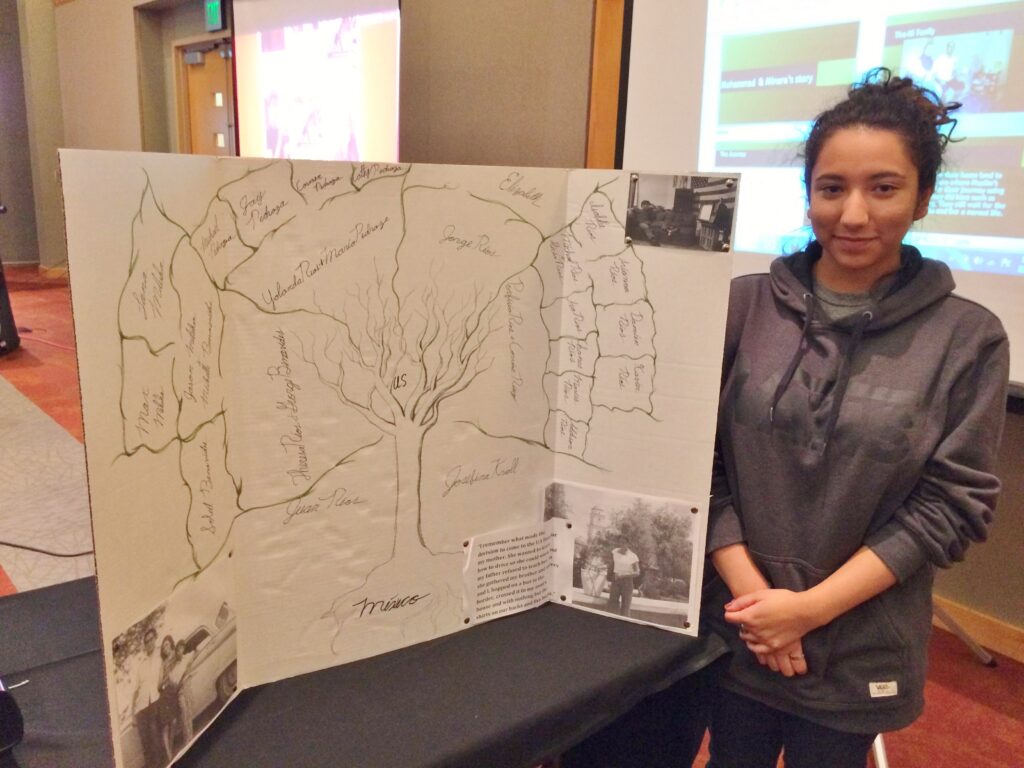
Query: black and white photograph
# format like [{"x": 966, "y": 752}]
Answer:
[
  {"x": 632, "y": 554},
  {"x": 692, "y": 212},
  {"x": 174, "y": 671}
]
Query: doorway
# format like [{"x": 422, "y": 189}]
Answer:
[{"x": 206, "y": 98}]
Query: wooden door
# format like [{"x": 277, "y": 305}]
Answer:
[{"x": 210, "y": 100}]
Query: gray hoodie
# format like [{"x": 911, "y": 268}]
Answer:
[{"x": 880, "y": 429}]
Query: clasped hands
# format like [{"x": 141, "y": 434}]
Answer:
[{"x": 772, "y": 623}]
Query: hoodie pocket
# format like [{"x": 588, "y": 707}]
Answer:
[
  {"x": 858, "y": 660},
  {"x": 863, "y": 659}
]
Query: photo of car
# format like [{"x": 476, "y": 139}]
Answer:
[{"x": 206, "y": 675}]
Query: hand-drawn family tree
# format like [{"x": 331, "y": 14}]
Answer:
[
  {"x": 318, "y": 393},
  {"x": 318, "y": 313},
  {"x": 309, "y": 388}
]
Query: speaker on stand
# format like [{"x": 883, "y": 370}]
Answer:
[{"x": 9, "y": 340}]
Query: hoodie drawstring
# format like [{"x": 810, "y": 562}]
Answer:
[
  {"x": 787, "y": 377},
  {"x": 842, "y": 376}
]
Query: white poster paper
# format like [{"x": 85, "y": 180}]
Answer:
[{"x": 326, "y": 377}]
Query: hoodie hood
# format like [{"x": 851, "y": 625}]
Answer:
[{"x": 919, "y": 283}]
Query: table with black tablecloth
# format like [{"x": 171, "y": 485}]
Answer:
[{"x": 504, "y": 694}]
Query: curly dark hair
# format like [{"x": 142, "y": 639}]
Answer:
[{"x": 882, "y": 100}]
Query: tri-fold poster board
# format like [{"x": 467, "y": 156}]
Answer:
[{"x": 336, "y": 409}]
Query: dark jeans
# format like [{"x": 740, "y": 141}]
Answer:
[
  {"x": 150, "y": 724},
  {"x": 748, "y": 734},
  {"x": 620, "y": 595}
]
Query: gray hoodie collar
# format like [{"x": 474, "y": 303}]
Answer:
[{"x": 919, "y": 283}]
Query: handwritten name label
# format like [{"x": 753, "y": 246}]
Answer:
[
  {"x": 368, "y": 607},
  {"x": 204, "y": 349},
  {"x": 152, "y": 412},
  {"x": 629, "y": 327},
  {"x": 256, "y": 210},
  {"x": 572, "y": 388},
  {"x": 319, "y": 183},
  {"x": 308, "y": 269},
  {"x": 598, "y": 219},
  {"x": 214, "y": 241},
  {"x": 568, "y": 429},
  {"x": 578, "y": 319},
  {"x": 563, "y": 251},
  {"x": 632, "y": 377},
  {"x": 516, "y": 185},
  {"x": 481, "y": 244},
  {"x": 338, "y": 499},
  {"x": 619, "y": 274},
  {"x": 513, "y": 293},
  {"x": 459, "y": 476},
  {"x": 209, "y": 524},
  {"x": 370, "y": 171},
  {"x": 150, "y": 293},
  {"x": 292, "y": 442},
  {"x": 576, "y": 349}
]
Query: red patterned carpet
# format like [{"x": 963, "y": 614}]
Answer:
[
  {"x": 44, "y": 368},
  {"x": 6, "y": 585}
]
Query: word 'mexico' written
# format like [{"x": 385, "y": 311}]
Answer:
[{"x": 368, "y": 607}]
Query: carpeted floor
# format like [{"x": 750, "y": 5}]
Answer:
[{"x": 43, "y": 497}]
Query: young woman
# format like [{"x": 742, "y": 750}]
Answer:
[{"x": 861, "y": 409}]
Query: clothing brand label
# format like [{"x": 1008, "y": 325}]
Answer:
[{"x": 883, "y": 690}]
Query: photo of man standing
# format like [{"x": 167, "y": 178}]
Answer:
[{"x": 625, "y": 569}]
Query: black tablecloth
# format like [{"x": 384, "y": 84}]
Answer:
[
  {"x": 51, "y": 637},
  {"x": 504, "y": 694}
]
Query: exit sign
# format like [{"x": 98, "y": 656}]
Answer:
[{"x": 214, "y": 15}]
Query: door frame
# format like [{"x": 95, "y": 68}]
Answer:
[{"x": 182, "y": 118}]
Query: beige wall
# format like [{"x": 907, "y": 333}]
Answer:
[
  {"x": 991, "y": 580},
  {"x": 495, "y": 82},
  {"x": 99, "y": 75},
  {"x": 45, "y": 125},
  {"x": 17, "y": 225}
]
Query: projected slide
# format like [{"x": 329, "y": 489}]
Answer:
[
  {"x": 771, "y": 67},
  {"x": 321, "y": 90}
]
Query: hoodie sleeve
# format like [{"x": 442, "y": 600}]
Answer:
[
  {"x": 724, "y": 525},
  {"x": 954, "y": 500}
]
